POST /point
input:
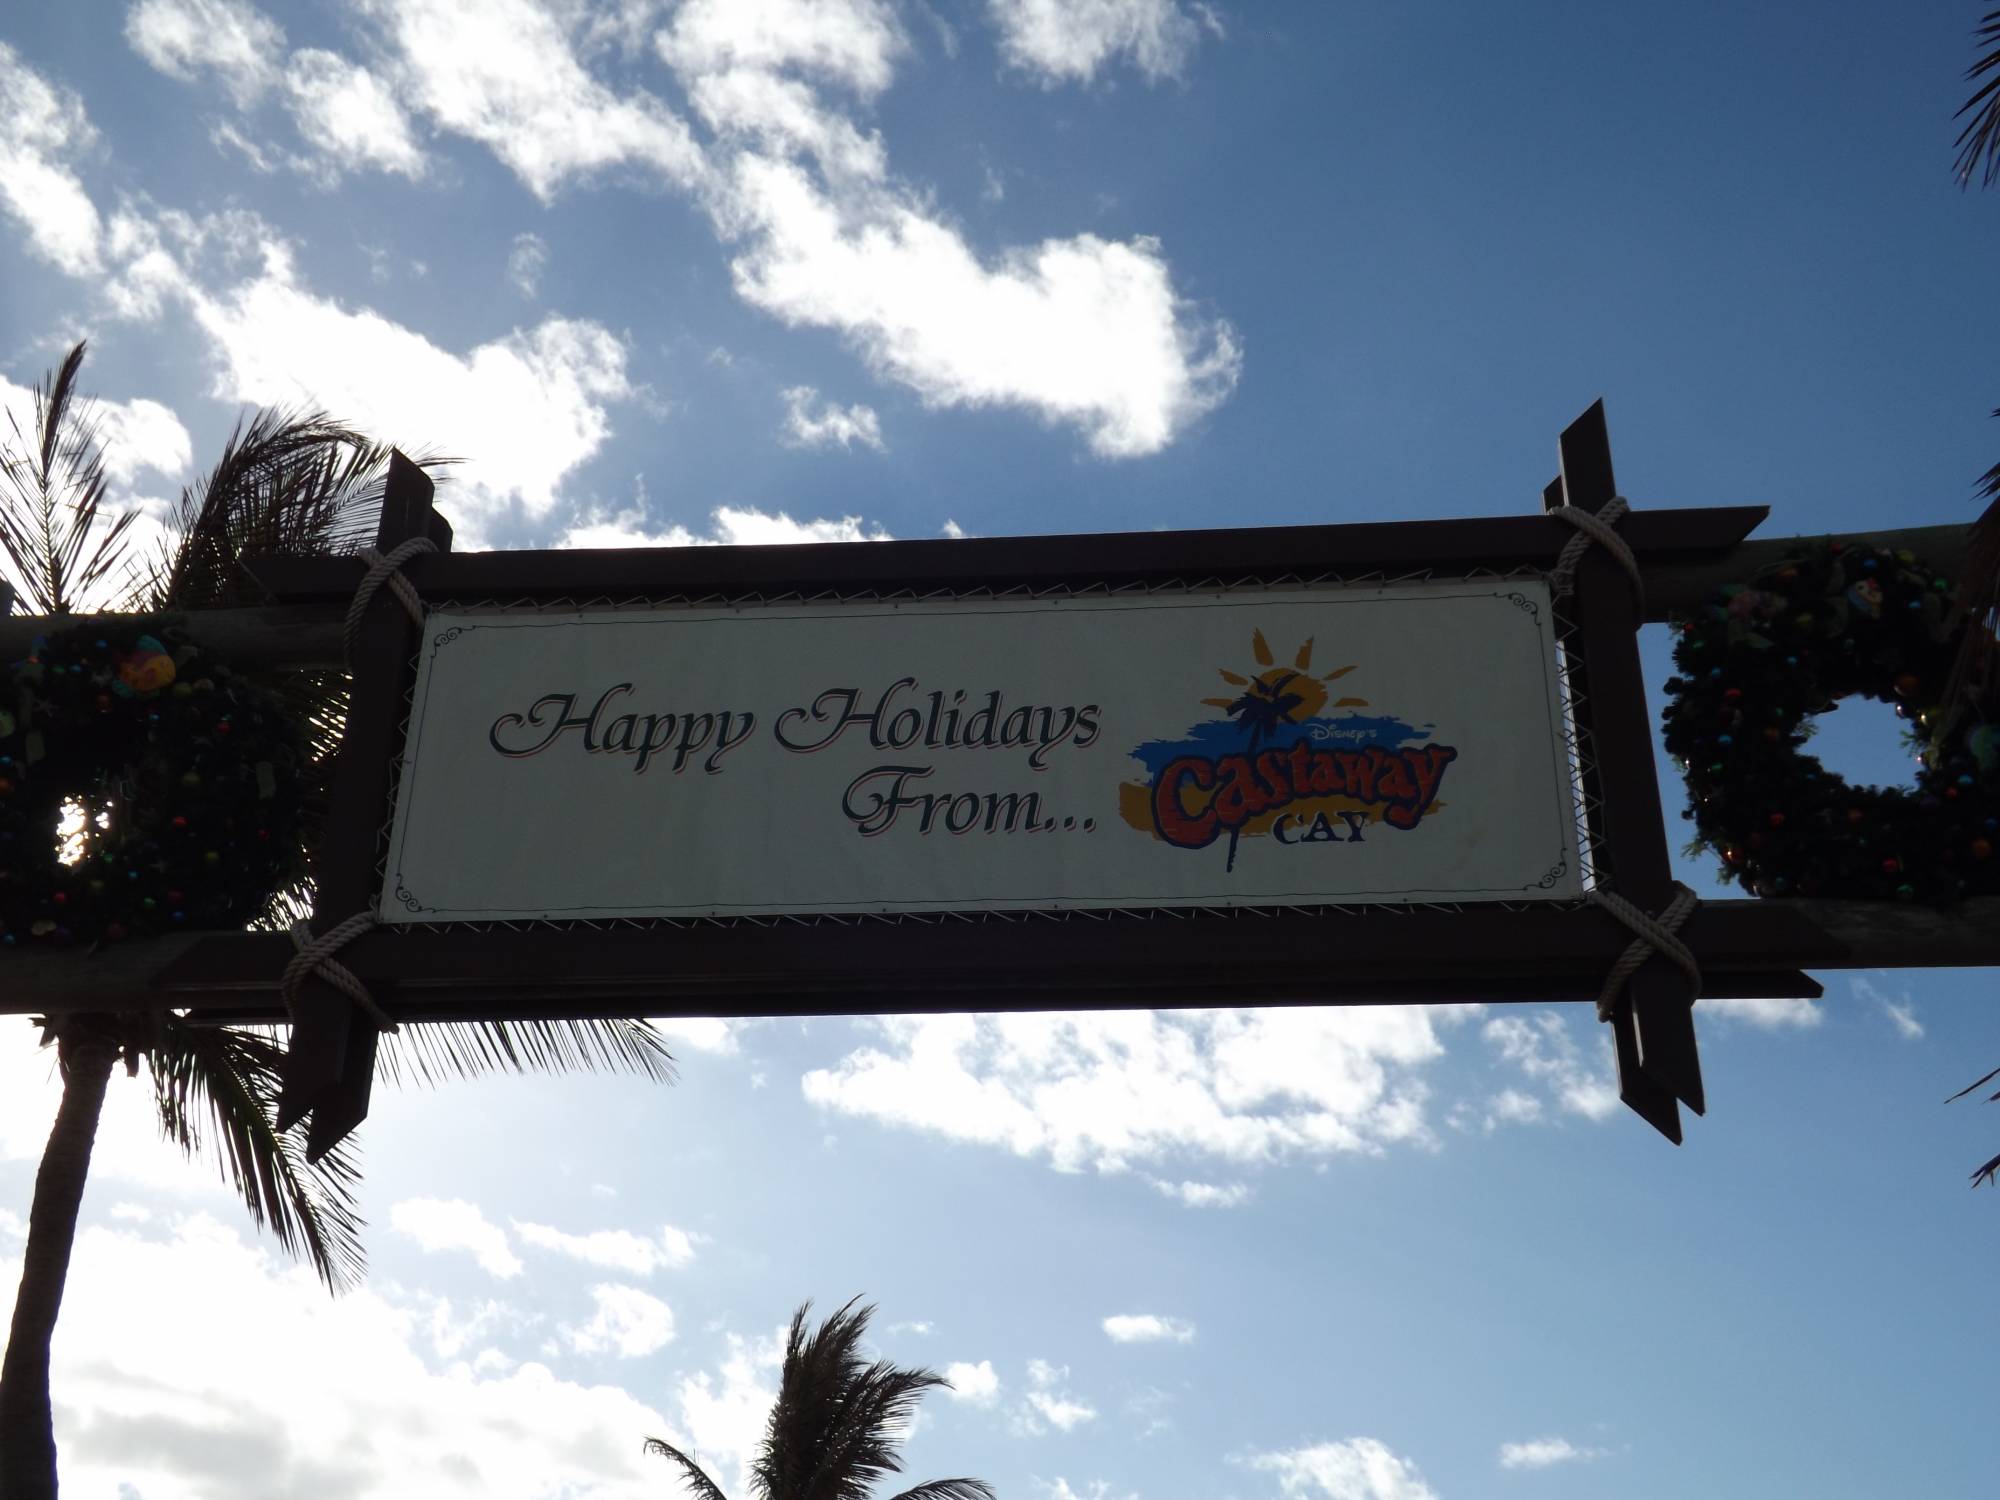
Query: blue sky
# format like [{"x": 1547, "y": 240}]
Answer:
[{"x": 735, "y": 272}]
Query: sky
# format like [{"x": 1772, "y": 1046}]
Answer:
[{"x": 723, "y": 271}]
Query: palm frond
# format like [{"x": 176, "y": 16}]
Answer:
[
  {"x": 425, "y": 1052},
  {"x": 1975, "y": 1084},
  {"x": 51, "y": 501},
  {"x": 1979, "y": 142},
  {"x": 947, "y": 1489},
  {"x": 222, "y": 1083},
  {"x": 691, "y": 1472},
  {"x": 288, "y": 482},
  {"x": 1988, "y": 1173}
]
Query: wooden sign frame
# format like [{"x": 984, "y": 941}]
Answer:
[{"x": 998, "y": 961}]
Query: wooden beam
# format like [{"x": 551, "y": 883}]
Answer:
[
  {"x": 874, "y": 968},
  {"x": 308, "y": 636}
]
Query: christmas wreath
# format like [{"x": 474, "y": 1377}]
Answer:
[
  {"x": 1766, "y": 656},
  {"x": 186, "y": 777}
]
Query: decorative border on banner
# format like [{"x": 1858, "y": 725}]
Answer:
[{"x": 1572, "y": 721}]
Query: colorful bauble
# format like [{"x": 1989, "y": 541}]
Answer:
[
  {"x": 1766, "y": 656},
  {"x": 186, "y": 774}
]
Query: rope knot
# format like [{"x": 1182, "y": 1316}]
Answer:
[
  {"x": 315, "y": 955},
  {"x": 1650, "y": 935},
  {"x": 1599, "y": 527},
  {"x": 385, "y": 567}
]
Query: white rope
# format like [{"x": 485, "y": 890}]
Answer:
[
  {"x": 315, "y": 955},
  {"x": 1651, "y": 935},
  {"x": 1594, "y": 526},
  {"x": 385, "y": 568}
]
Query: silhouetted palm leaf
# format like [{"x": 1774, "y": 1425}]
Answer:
[
  {"x": 692, "y": 1472},
  {"x": 425, "y": 1053},
  {"x": 834, "y": 1428},
  {"x": 1980, "y": 140},
  {"x": 219, "y": 1085},
  {"x": 58, "y": 546}
]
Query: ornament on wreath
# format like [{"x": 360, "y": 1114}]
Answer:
[
  {"x": 187, "y": 776},
  {"x": 1766, "y": 656}
]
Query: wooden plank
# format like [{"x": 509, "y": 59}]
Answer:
[
  {"x": 1629, "y": 852},
  {"x": 1111, "y": 559},
  {"x": 330, "y": 1066},
  {"x": 875, "y": 967},
  {"x": 308, "y": 636}
]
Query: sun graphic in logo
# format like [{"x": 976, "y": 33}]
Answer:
[{"x": 1278, "y": 696}]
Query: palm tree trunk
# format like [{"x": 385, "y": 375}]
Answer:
[{"x": 27, "y": 1430}]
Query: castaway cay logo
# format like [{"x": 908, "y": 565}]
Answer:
[{"x": 1285, "y": 759}]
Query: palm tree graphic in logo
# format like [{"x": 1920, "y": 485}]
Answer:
[{"x": 1276, "y": 698}]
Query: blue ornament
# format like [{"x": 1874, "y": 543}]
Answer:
[{"x": 1724, "y": 740}]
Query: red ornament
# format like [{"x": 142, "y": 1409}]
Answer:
[
  {"x": 222, "y": 726},
  {"x": 6, "y": 786},
  {"x": 1854, "y": 815},
  {"x": 1907, "y": 684},
  {"x": 179, "y": 821},
  {"x": 1982, "y": 849},
  {"x": 173, "y": 898},
  {"x": 61, "y": 898},
  {"x": 1891, "y": 865},
  {"x": 1777, "y": 820}
]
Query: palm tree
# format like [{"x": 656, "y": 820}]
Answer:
[
  {"x": 287, "y": 482},
  {"x": 1973, "y": 673},
  {"x": 834, "y": 1428}
]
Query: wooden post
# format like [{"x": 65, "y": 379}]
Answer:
[
  {"x": 1654, "y": 1022},
  {"x": 331, "y": 1063}
]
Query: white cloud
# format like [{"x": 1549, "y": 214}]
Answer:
[
  {"x": 976, "y": 1385},
  {"x": 1047, "y": 1404},
  {"x": 1764, "y": 1012},
  {"x": 628, "y": 1322},
  {"x": 1512, "y": 1107},
  {"x": 185, "y": 38},
  {"x": 1067, "y": 41},
  {"x": 1148, "y": 1328},
  {"x": 1540, "y": 1453},
  {"x": 1109, "y": 1089},
  {"x": 851, "y": 42},
  {"x": 523, "y": 410},
  {"x": 1081, "y": 331},
  {"x": 1354, "y": 1469},
  {"x": 1901, "y": 1013},
  {"x": 526, "y": 262},
  {"x": 615, "y": 1249},
  {"x": 920, "y": 1327},
  {"x": 444, "y": 1224},
  {"x": 348, "y": 116},
  {"x": 702, "y": 1033},
  {"x": 1096, "y": 1489},
  {"x": 844, "y": 425},
  {"x": 1203, "y": 1194},
  {"x": 503, "y": 73},
  {"x": 728, "y": 527},
  {"x": 1542, "y": 1047},
  {"x": 1084, "y": 331},
  {"x": 41, "y": 126},
  {"x": 153, "y": 1397},
  {"x": 12, "y": 1227}
]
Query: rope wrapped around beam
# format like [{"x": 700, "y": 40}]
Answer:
[{"x": 1650, "y": 935}]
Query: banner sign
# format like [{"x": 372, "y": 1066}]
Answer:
[{"x": 1266, "y": 747}]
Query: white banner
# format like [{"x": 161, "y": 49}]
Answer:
[{"x": 1252, "y": 748}]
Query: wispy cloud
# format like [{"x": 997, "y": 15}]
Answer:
[
  {"x": 1542, "y": 1453},
  {"x": 615, "y": 1249},
  {"x": 449, "y": 1224},
  {"x": 831, "y": 425},
  {"x": 1351, "y": 1469},
  {"x": 1148, "y": 1328},
  {"x": 1898, "y": 1008}
]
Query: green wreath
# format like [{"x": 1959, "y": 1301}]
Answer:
[
  {"x": 1766, "y": 656},
  {"x": 187, "y": 776}
]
